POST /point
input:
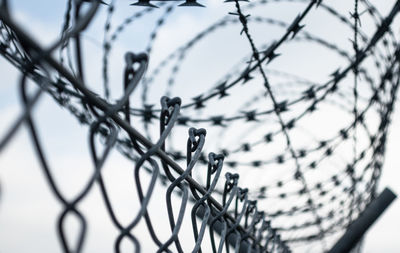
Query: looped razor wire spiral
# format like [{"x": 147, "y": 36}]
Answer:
[{"x": 308, "y": 150}]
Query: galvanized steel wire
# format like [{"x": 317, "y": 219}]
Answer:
[{"x": 241, "y": 217}]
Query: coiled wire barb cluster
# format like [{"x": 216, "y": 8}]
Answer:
[
  {"x": 264, "y": 135},
  {"x": 234, "y": 223}
]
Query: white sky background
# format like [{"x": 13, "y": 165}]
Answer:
[{"x": 26, "y": 202}]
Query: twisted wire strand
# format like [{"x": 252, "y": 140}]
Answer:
[{"x": 242, "y": 225}]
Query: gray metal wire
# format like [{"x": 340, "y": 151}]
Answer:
[{"x": 229, "y": 216}]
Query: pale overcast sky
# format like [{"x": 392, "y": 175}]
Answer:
[{"x": 26, "y": 203}]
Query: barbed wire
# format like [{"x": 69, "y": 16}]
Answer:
[{"x": 233, "y": 219}]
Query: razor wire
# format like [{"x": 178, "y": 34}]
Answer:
[{"x": 288, "y": 192}]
